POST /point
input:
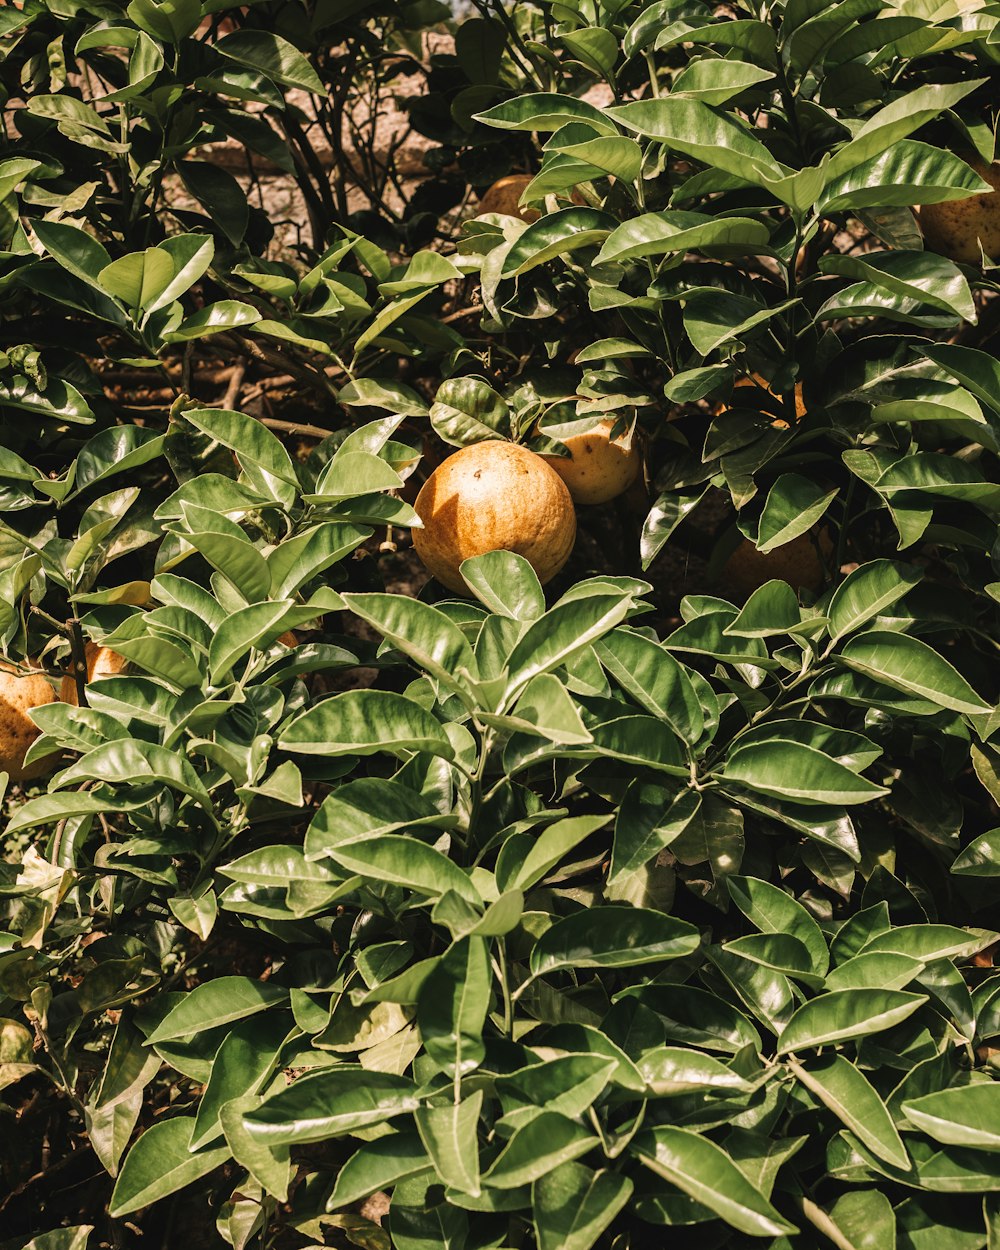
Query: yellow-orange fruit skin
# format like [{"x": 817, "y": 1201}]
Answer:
[
  {"x": 101, "y": 662},
  {"x": 494, "y": 496},
  {"x": 954, "y": 228},
  {"x": 18, "y": 695},
  {"x": 756, "y": 380},
  {"x": 598, "y": 467},
  {"x": 504, "y": 197},
  {"x": 797, "y": 562}
]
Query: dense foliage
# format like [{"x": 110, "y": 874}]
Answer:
[{"x": 607, "y": 914}]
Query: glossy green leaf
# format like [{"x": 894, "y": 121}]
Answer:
[
  {"x": 506, "y": 583},
  {"x": 452, "y": 1007},
  {"x": 843, "y": 1089},
  {"x": 217, "y": 1002},
  {"x": 573, "y": 1205},
  {"x": 421, "y": 632},
  {"x": 542, "y": 1145},
  {"x": 908, "y": 664},
  {"x": 449, "y": 1134},
  {"x": 160, "y": 1163},
  {"x": 794, "y": 771},
  {"x": 405, "y": 862},
  {"x": 703, "y": 1170},
  {"x": 845, "y": 1015},
  {"x": 619, "y": 937},
  {"x": 330, "y": 1102},
  {"x": 365, "y": 722},
  {"x": 961, "y": 1116}
]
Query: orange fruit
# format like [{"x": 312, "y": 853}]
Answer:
[
  {"x": 18, "y": 695},
  {"x": 598, "y": 467},
  {"x": 956, "y": 227},
  {"x": 504, "y": 197},
  {"x": 101, "y": 662},
  {"x": 797, "y": 562},
  {"x": 494, "y": 496},
  {"x": 755, "y": 379}
]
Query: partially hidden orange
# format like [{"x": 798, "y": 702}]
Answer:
[
  {"x": 599, "y": 468},
  {"x": 18, "y": 695},
  {"x": 494, "y": 496}
]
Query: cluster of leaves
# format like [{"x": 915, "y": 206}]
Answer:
[{"x": 562, "y": 922}]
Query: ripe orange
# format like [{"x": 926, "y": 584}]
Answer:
[
  {"x": 18, "y": 695},
  {"x": 755, "y": 379},
  {"x": 797, "y": 562},
  {"x": 494, "y": 496},
  {"x": 598, "y": 468},
  {"x": 956, "y": 227},
  {"x": 504, "y": 197},
  {"x": 101, "y": 662}
]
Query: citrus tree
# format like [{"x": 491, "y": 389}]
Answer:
[{"x": 630, "y": 881}]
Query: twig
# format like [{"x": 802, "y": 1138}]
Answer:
[{"x": 235, "y": 384}]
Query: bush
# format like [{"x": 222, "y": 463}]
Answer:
[{"x": 653, "y": 905}]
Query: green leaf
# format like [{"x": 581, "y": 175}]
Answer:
[
  {"x": 981, "y": 858},
  {"x": 225, "y": 314},
  {"x": 792, "y": 770},
  {"x": 249, "y": 627},
  {"x": 421, "y": 632},
  {"x": 78, "y": 252},
  {"x": 542, "y": 1145},
  {"x": 966, "y": 1115},
  {"x": 866, "y": 592},
  {"x": 573, "y": 1205},
  {"x": 547, "y": 850},
  {"x": 907, "y": 173},
  {"x": 895, "y": 121},
  {"x": 378, "y": 1165},
  {"x": 614, "y": 937},
  {"x": 905, "y": 663},
  {"x": 214, "y": 1003},
  {"x": 773, "y": 911},
  {"x": 160, "y": 1164},
  {"x": 272, "y": 56},
  {"x": 771, "y": 609},
  {"x": 545, "y": 709},
  {"x": 556, "y": 234},
  {"x": 691, "y": 127},
  {"x": 865, "y": 1218},
  {"x": 716, "y": 82},
  {"x": 793, "y": 506},
  {"x": 246, "y": 1057},
  {"x": 845, "y": 1015},
  {"x": 365, "y": 722},
  {"x": 920, "y": 276},
  {"x": 714, "y": 317},
  {"x": 452, "y": 1008},
  {"x": 449, "y": 1134},
  {"x": 976, "y": 370},
  {"x": 563, "y": 632},
  {"x": 648, "y": 820},
  {"x": 706, "y": 1173},
  {"x": 657, "y": 234},
  {"x": 329, "y": 1103},
  {"x": 468, "y": 410},
  {"x": 544, "y": 111},
  {"x": 655, "y": 679},
  {"x": 404, "y": 861},
  {"x": 506, "y": 583},
  {"x": 138, "y": 278},
  {"x": 844, "y": 1089},
  {"x": 125, "y": 760}
]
